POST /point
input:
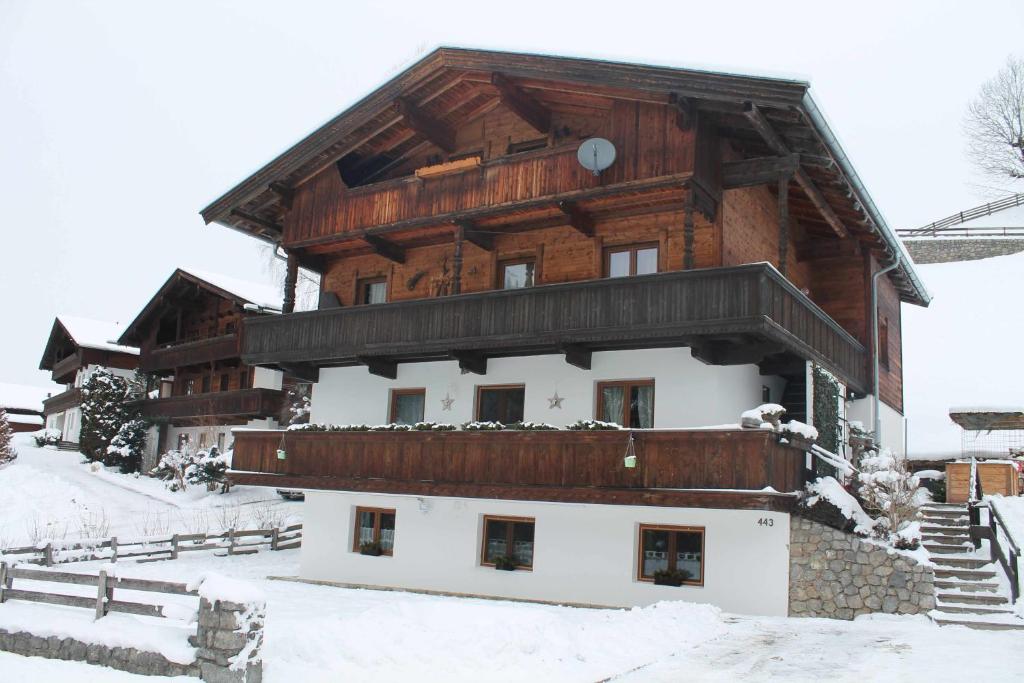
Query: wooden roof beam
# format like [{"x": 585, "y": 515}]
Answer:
[
  {"x": 778, "y": 145},
  {"x": 435, "y": 131},
  {"x": 686, "y": 112},
  {"x": 759, "y": 171},
  {"x": 477, "y": 238},
  {"x": 382, "y": 367},
  {"x": 524, "y": 105},
  {"x": 264, "y": 226},
  {"x": 578, "y": 218},
  {"x": 285, "y": 195},
  {"x": 385, "y": 248}
]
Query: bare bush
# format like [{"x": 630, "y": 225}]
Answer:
[
  {"x": 198, "y": 522},
  {"x": 93, "y": 523},
  {"x": 268, "y": 515},
  {"x": 229, "y": 516},
  {"x": 153, "y": 523}
]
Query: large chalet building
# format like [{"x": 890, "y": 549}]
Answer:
[
  {"x": 77, "y": 348},
  {"x": 190, "y": 338},
  {"x": 474, "y": 269}
]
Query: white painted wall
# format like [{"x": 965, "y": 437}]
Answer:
[
  {"x": 264, "y": 378},
  {"x": 583, "y": 553},
  {"x": 687, "y": 393},
  {"x": 88, "y": 371},
  {"x": 894, "y": 424},
  {"x": 212, "y": 433}
]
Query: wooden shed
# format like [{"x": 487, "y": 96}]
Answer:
[{"x": 996, "y": 477}]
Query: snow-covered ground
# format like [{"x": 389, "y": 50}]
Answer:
[
  {"x": 47, "y": 493},
  {"x": 963, "y": 349},
  {"x": 324, "y": 633}
]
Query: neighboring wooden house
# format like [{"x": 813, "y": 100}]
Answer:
[
  {"x": 473, "y": 269},
  {"x": 76, "y": 348},
  {"x": 24, "y": 406},
  {"x": 190, "y": 336}
]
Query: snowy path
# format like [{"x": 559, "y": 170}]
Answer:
[{"x": 50, "y": 493}]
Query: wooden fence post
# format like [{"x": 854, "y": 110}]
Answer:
[
  {"x": 113, "y": 548},
  {"x": 3, "y": 580},
  {"x": 174, "y": 547},
  {"x": 274, "y": 533},
  {"x": 101, "y": 595},
  {"x": 231, "y": 541},
  {"x": 48, "y": 554}
]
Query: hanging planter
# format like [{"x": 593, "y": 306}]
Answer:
[
  {"x": 282, "y": 454},
  {"x": 629, "y": 461}
]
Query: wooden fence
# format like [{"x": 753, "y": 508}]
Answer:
[
  {"x": 104, "y": 600},
  {"x": 234, "y": 542}
]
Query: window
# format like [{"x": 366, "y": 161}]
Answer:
[
  {"x": 220, "y": 442},
  {"x": 372, "y": 290},
  {"x": 500, "y": 404},
  {"x": 766, "y": 394},
  {"x": 203, "y": 439},
  {"x": 229, "y": 328},
  {"x": 243, "y": 379},
  {"x": 516, "y": 274},
  {"x": 206, "y": 384},
  {"x": 190, "y": 386},
  {"x": 671, "y": 548},
  {"x": 510, "y": 537},
  {"x": 375, "y": 526},
  {"x": 629, "y": 403},
  {"x": 883, "y": 343},
  {"x": 631, "y": 260},
  {"x": 407, "y": 406},
  {"x": 182, "y": 441},
  {"x": 225, "y": 381}
]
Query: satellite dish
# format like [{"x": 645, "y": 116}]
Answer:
[{"x": 596, "y": 154}]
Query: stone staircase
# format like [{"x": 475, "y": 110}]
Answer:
[
  {"x": 67, "y": 446},
  {"x": 968, "y": 591}
]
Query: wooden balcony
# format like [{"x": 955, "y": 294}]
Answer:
[
  {"x": 197, "y": 352},
  {"x": 62, "y": 401},
  {"x": 224, "y": 407},
  {"x": 703, "y": 468},
  {"x": 64, "y": 370},
  {"x": 735, "y": 315}
]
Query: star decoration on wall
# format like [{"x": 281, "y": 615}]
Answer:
[
  {"x": 555, "y": 402},
  {"x": 446, "y": 402}
]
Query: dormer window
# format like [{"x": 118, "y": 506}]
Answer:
[{"x": 527, "y": 145}]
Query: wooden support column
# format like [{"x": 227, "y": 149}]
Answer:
[
  {"x": 460, "y": 234},
  {"x": 783, "y": 223},
  {"x": 291, "y": 278},
  {"x": 688, "y": 232}
]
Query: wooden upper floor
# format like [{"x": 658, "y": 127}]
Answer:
[
  {"x": 461, "y": 176},
  {"x": 75, "y": 344}
]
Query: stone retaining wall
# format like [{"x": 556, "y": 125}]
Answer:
[
  {"x": 946, "y": 250},
  {"x": 839, "y": 575},
  {"x": 122, "y": 658}
]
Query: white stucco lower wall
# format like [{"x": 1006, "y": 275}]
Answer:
[
  {"x": 687, "y": 393},
  {"x": 583, "y": 553},
  {"x": 893, "y": 423},
  {"x": 264, "y": 378},
  {"x": 220, "y": 435}
]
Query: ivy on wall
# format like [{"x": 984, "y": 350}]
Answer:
[{"x": 826, "y": 410}]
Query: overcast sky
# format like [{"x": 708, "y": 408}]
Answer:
[{"x": 121, "y": 120}]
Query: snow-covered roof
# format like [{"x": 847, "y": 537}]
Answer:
[
  {"x": 1012, "y": 410},
  {"x": 25, "y": 419},
  {"x": 95, "y": 334},
  {"x": 261, "y": 294},
  {"x": 23, "y": 397}
]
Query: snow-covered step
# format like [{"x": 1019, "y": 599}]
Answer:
[
  {"x": 964, "y": 574},
  {"x": 981, "y": 623},
  {"x": 938, "y": 539},
  {"x": 961, "y": 562},
  {"x": 937, "y": 549},
  {"x": 945, "y": 530},
  {"x": 944, "y": 506},
  {"x": 974, "y": 586},
  {"x": 973, "y": 609},
  {"x": 972, "y": 598},
  {"x": 946, "y": 519}
]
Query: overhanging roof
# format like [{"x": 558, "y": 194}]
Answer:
[{"x": 457, "y": 83}]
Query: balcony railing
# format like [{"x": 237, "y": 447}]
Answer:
[
  {"x": 742, "y": 309},
  {"x": 65, "y": 369},
  {"x": 673, "y": 467},
  {"x": 190, "y": 353},
  {"x": 62, "y": 401},
  {"x": 244, "y": 403}
]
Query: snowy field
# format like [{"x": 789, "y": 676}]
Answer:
[
  {"x": 324, "y": 633},
  {"x": 47, "y": 493}
]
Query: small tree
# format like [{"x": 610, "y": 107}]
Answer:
[
  {"x": 105, "y": 409},
  {"x": 127, "y": 447},
  {"x": 889, "y": 491},
  {"x": 7, "y": 452},
  {"x": 994, "y": 124}
]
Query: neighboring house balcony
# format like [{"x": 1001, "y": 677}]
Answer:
[
  {"x": 727, "y": 316},
  {"x": 183, "y": 354},
  {"x": 724, "y": 468},
  {"x": 223, "y": 407},
  {"x": 62, "y": 401},
  {"x": 64, "y": 370}
]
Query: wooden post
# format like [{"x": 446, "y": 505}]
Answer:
[
  {"x": 48, "y": 554},
  {"x": 174, "y": 547},
  {"x": 460, "y": 234},
  {"x": 274, "y": 533},
  {"x": 113, "y": 548},
  {"x": 4, "y": 585},
  {"x": 101, "y": 595},
  {"x": 291, "y": 278},
  {"x": 231, "y": 541},
  {"x": 688, "y": 232},
  {"x": 783, "y": 223}
]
